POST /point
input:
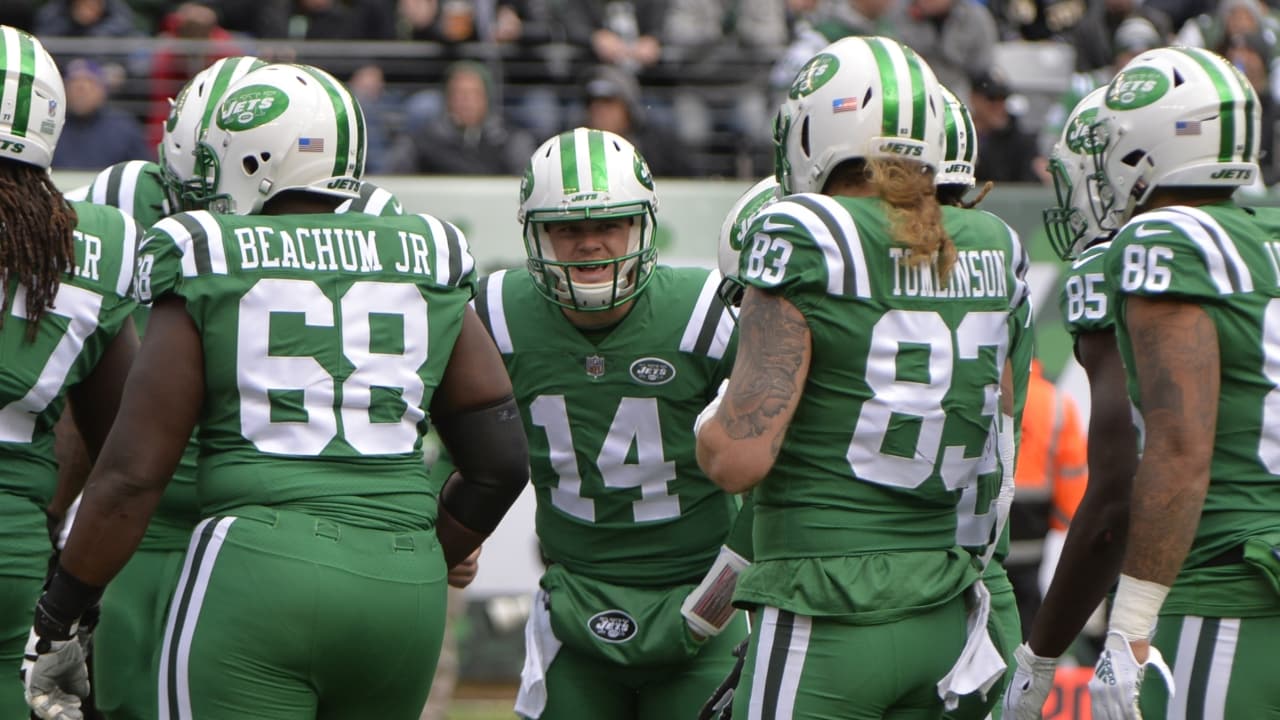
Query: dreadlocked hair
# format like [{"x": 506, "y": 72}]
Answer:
[
  {"x": 953, "y": 194},
  {"x": 36, "y": 245},
  {"x": 915, "y": 218}
]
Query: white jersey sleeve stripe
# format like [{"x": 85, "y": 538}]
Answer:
[
  {"x": 132, "y": 234},
  {"x": 497, "y": 312},
  {"x": 175, "y": 230},
  {"x": 129, "y": 184},
  {"x": 692, "y": 331},
  {"x": 217, "y": 252},
  {"x": 1235, "y": 264},
  {"x": 1194, "y": 231},
  {"x": 441, "y": 244}
]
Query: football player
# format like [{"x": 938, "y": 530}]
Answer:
[
  {"x": 987, "y": 533},
  {"x": 612, "y": 356},
  {"x": 1195, "y": 298},
  {"x": 866, "y": 396},
  {"x": 65, "y": 332},
  {"x": 311, "y": 347},
  {"x": 1091, "y": 555}
]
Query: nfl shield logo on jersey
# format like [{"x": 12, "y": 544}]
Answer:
[
  {"x": 612, "y": 626},
  {"x": 594, "y": 365}
]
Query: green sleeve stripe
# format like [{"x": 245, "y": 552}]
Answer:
[
  {"x": 454, "y": 238},
  {"x": 702, "y": 334},
  {"x": 115, "y": 178},
  {"x": 205, "y": 238},
  {"x": 1216, "y": 262},
  {"x": 1241, "y": 277},
  {"x": 26, "y": 74},
  {"x": 833, "y": 229},
  {"x": 171, "y": 230}
]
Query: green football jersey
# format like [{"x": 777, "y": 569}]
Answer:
[
  {"x": 134, "y": 186},
  {"x": 324, "y": 338},
  {"x": 92, "y": 304},
  {"x": 1226, "y": 259},
  {"x": 1086, "y": 293},
  {"x": 609, "y": 417},
  {"x": 900, "y": 406}
]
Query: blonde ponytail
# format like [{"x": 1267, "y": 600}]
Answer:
[{"x": 915, "y": 218}]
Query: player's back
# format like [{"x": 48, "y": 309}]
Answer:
[
  {"x": 1225, "y": 258},
  {"x": 324, "y": 338},
  {"x": 900, "y": 399},
  {"x": 92, "y": 303}
]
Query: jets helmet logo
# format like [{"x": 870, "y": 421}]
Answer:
[
  {"x": 251, "y": 107},
  {"x": 814, "y": 74}
]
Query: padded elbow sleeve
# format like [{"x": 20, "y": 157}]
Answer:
[{"x": 489, "y": 449}]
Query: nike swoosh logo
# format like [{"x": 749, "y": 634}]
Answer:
[
  {"x": 1143, "y": 231},
  {"x": 771, "y": 226}
]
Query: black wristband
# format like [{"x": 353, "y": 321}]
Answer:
[{"x": 61, "y": 606}]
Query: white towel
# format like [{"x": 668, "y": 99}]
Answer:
[
  {"x": 540, "y": 648},
  {"x": 980, "y": 664}
]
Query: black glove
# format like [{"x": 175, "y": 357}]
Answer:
[{"x": 720, "y": 705}]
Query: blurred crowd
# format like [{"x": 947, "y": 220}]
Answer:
[{"x": 690, "y": 82}]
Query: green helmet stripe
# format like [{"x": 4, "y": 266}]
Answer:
[
  {"x": 226, "y": 75},
  {"x": 341, "y": 161},
  {"x": 26, "y": 75},
  {"x": 970, "y": 137},
  {"x": 918, "y": 98},
  {"x": 358, "y": 112},
  {"x": 950, "y": 121},
  {"x": 569, "y": 162},
  {"x": 599, "y": 161},
  {"x": 1227, "y": 114},
  {"x": 888, "y": 86}
]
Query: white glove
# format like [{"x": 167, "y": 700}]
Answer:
[
  {"x": 1030, "y": 685},
  {"x": 1117, "y": 678},
  {"x": 710, "y": 410},
  {"x": 54, "y": 677}
]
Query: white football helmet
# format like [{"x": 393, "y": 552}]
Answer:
[
  {"x": 586, "y": 174},
  {"x": 861, "y": 97},
  {"x": 282, "y": 127},
  {"x": 189, "y": 117},
  {"x": 1071, "y": 225},
  {"x": 33, "y": 103},
  {"x": 960, "y": 155},
  {"x": 1173, "y": 117},
  {"x": 733, "y": 231}
]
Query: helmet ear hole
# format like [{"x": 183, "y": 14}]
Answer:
[
  {"x": 250, "y": 164},
  {"x": 1133, "y": 158},
  {"x": 804, "y": 137},
  {"x": 866, "y": 99},
  {"x": 1177, "y": 78}
]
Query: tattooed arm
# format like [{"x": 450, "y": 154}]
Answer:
[{"x": 737, "y": 447}]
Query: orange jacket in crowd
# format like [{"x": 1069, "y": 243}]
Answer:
[{"x": 1052, "y": 468}]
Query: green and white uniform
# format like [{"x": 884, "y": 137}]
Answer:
[
  {"x": 1217, "y": 625},
  {"x": 91, "y": 306},
  {"x": 1004, "y": 624},
  {"x": 136, "y": 604},
  {"x": 856, "y": 555},
  {"x": 627, "y": 521},
  {"x": 324, "y": 338}
]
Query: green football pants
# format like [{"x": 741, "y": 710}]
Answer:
[
  {"x": 281, "y": 615},
  {"x": 126, "y": 645},
  {"x": 24, "y": 560},
  {"x": 815, "y": 668},
  {"x": 1005, "y": 625},
  {"x": 585, "y": 687},
  {"x": 1223, "y": 669}
]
